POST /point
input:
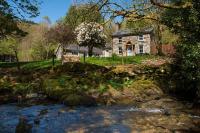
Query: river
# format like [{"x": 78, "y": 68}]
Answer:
[{"x": 58, "y": 118}]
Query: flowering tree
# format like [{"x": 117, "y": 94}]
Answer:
[{"x": 90, "y": 35}]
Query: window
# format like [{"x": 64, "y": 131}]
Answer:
[
  {"x": 140, "y": 37},
  {"x": 120, "y": 40},
  {"x": 120, "y": 50},
  {"x": 74, "y": 53},
  {"x": 141, "y": 49}
]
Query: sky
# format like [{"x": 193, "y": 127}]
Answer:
[{"x": 54, "y": 9}]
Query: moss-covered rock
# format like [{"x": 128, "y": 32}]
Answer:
[{"x": 143, "y": 90}]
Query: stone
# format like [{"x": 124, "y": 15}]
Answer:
[
  {"x": 70, "y": 58},
  {"x": 23, "y": 126},
  {"x": 37, "y": 121}
]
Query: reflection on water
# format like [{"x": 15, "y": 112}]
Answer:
[{"x": 60, "y": 119}]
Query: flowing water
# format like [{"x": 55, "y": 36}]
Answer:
[{"x": 56, "y": 118}]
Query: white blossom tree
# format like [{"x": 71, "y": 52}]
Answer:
[{"x": 90, "y": 35}]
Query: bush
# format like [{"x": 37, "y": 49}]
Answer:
[
  {"x": 186, "y": 70},
  {"x": 23, "y": 88}
]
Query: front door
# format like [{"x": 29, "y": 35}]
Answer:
[{"x": 129, "y": 50}]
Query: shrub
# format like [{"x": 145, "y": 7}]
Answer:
[{"x": 186, "y": 70}]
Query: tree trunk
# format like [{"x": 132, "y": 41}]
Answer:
[
  {"x": 90, "y": 51},
  {"x": 53, "y": 60},
  {"x": 62, "y": 53},
  {"x": 47, "y": 54},
  {"x": 159, "y": 37},
  {"x": 84, "y": 55},
  {"x": 17, "y": 60}
]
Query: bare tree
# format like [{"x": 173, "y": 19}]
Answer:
[{"x": 62, "y": 34}]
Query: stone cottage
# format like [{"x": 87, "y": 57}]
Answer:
[{"x": 130, "y": 43}]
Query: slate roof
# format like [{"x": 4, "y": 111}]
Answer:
[
  {"x": 131, "y": 32},
  {"x": 76, "y": 48}
]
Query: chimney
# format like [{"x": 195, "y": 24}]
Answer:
[{"x": 118, "y": 26}]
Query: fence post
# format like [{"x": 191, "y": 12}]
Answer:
[{"x": 84, "y": 57}]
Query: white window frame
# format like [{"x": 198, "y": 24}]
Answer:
[
  {"x": 141, "y": 45},
  {"x": 120, "y": 40},
  {"x": 141, "y": 38},
  {"x": 120, "y": 47}
]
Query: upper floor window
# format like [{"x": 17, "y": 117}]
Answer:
[
  {"x": 120, "y": 40},
  {"x": 141, "y": 38}
]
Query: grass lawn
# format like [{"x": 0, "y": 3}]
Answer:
[
  {"x": 30, "y": 65},
  {"x": 101, "y": 61},
  {"x": 116, "y": 60}
]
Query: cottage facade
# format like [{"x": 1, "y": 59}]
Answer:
[{"x": 130, "y": 43}]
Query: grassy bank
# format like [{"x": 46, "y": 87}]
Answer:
[{"x": 79, "y": 83}]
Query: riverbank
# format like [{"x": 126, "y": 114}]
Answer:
[
  {"x": 81, "y": 84},
  {"x": 122, "y": 98},
  {"x": 86, "y": 84}
]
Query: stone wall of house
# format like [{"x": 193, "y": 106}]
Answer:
[{"x": 133, "y": 40}]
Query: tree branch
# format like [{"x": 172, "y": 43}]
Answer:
[{"x": 186, "y": 5}]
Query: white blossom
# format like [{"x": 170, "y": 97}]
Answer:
[{"x": 90, "y": 31}]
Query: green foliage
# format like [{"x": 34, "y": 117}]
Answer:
[
  {"x": 23, "y": 88},
  {"x": 168, "y": 37},
  {"x": 115, "y": 84},
  {"x": 12, "y": 12},
  {"x": 186, "y": 23},
  {"x": 8, "y": 46},
  {"x": 82, "y": 13},
  {"x": 5, "y": 85},
  {"x": 187, "y": 79},
  {"x": 140, "y": 24},
  {"x": 102, "y": 88},
  {"x": 41, "y": 47}
]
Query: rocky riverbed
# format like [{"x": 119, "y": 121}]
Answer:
[{"x": 163, "y": 115}]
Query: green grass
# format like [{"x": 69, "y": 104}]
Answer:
[
  {"x": 40, "y": 64},
  {"x": 30, "y": 65},
  {"x": 101, "y": 61},
  {"x": 116, "y": 60}
]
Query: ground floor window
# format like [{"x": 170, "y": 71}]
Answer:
[
  {"x": 120, "y": 50},
  {"x": 141, "y": 49},
  {"x": 74, "y": 53}
]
